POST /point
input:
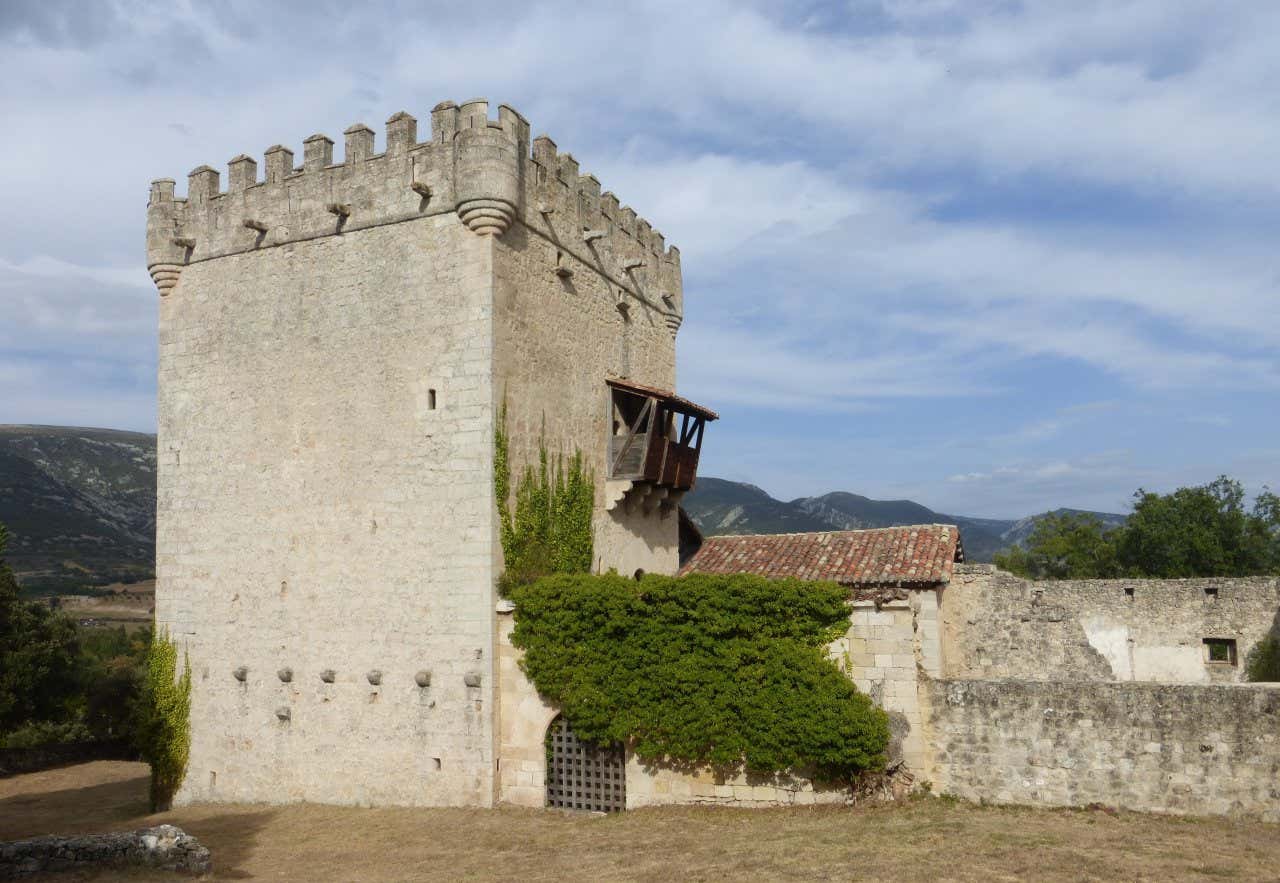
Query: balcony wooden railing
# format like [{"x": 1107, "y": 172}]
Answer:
[{"x": 653, "y": 457}]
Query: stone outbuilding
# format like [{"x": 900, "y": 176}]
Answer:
[{"x": 895, "y": 575}]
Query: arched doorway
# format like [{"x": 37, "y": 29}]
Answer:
[{"x": 581, "y": 775}]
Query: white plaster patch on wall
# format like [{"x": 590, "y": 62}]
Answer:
[
  {"x": 1111, "y": 639},
  {"x": 1170, "y": 665}
]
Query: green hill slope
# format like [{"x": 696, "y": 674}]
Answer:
[
  {"x": 79, "y": 504},
  {"x": 729, "y": 507}
]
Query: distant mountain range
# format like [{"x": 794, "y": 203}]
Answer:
[
  {"x": 718, "y": 506},
  {"x": 80, "y": 505}
]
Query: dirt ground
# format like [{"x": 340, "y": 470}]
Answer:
[
  {"x": 926, "y": 839},
  {"x": 131, "y": 605}
]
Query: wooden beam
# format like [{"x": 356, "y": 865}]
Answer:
[{"x": 632, "y": 432}]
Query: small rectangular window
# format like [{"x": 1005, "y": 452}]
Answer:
[
  {"x": 1211, "y": 593},
  {"x": 431, "y": 400},
  {"x": 1220, "y": 651},
  {"x": 1128, "y": 592}
]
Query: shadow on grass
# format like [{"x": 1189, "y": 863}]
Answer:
[
  {"x": 89, "y": 809},
  {"x": 229, "y": 834}
]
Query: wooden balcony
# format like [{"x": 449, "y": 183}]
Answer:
[{"x": 657, "y": 440}]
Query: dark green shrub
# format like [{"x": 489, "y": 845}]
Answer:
[
  {"x": 726, "y": 671},
  {"x": 40, "y": 733},
  {"x": 37, "y": 657},
  {"x": 1263, "y": 663}
]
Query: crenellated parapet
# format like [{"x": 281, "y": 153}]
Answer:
[
  {"x": 570, "y": 210},
  {"x": 486, "y": 170}
]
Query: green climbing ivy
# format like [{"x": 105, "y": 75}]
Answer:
[
  {"x": 725, "y": 671},
  {"x": 165, "y": 727},
  {"x": 550, "y": 529}
]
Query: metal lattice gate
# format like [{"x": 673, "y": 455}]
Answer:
[{"x": 581, "y": 775}]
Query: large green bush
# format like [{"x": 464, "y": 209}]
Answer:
[{"x": 726, "y": 671}]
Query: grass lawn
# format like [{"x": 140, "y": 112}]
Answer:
[{"x": 927, "y": 839}]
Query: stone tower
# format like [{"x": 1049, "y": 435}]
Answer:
[{"x": 336, "y": 343}]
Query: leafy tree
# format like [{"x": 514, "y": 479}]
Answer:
[
  {"x": 1195, "y": 531},
  {"x": 1199, "y": 531},
  {"x": 728, "y": 671},
  {"x": 1266, "y": 511},
  {"x": 1069, "y": 545},
  {"x": 112, "y": 667},
  {"x": 37, "y": 656}
]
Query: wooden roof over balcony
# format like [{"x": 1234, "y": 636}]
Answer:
[{"x": 672, "y": 401}]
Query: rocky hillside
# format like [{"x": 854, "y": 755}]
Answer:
[
  {"x": 80, "y": 505},
  {"x": 730, "y": 507}
]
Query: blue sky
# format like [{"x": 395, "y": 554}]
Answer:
[{"x": 995, "y": 257}]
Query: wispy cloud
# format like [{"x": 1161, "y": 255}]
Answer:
[{"x": 921, "y": 230}]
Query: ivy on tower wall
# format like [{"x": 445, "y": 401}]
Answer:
[
  {"x": 165, "y": 727},
  {"x": 726, "y": 671},
  {"x": 549, "y": 530}
]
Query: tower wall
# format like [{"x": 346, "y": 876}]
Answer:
[
  {"x": 335, "y": 342},
  {"x": 326, "y": 513},
  {"x": 584, "y": 291}
]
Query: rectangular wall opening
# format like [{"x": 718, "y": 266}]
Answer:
[{"x": 1220, "y": 651}]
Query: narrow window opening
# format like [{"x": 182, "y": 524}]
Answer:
[
  {"x": 435, "y": 762},
  {"x": 1220, "y": 651},
  {"x": 1128, "y": 593},
  {"x": 431, "y": 400},
  {"x": 213, "y": 779}
]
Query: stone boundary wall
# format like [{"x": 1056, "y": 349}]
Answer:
[
  {"x": 165, "y": 848},
  {"x": 14, "y": 761},
  {"x": 1184, "y": 749},
  {"x": 997, "y": 625}
]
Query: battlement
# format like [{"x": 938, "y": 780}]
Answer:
[{"x": 486, "y": 170}]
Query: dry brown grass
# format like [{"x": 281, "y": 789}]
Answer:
[{"x": 921, "y": 840}]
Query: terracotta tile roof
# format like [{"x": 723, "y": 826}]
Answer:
[{"x": 889, "y": 556}]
